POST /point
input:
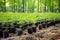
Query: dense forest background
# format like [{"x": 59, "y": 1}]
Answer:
[{"x": 29, "y": 5}]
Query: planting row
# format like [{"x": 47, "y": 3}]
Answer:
[
  {"x": 7, "y": 29},
  {"x": 16, "y": 24},
  {"x": 28, "y": 17}
]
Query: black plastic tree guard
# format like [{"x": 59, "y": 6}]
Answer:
[
  {"x": 24, "y": 27},
  {"x": 19, "y": 33},
  {"x": 44, "y": 25},
  {"x": 0, "y": 25},
  {"x": 12, "y": 30},
  {"x": 9, "y": 25},
  {"x": 16, "y": 25},
  {"x": 1, "y": 33},
  {"x": 5, "y": 34},
  {"x": 34, "y": 29},
  {"x": 30, "y": 30},
  {"x": 40, "y": 27}
]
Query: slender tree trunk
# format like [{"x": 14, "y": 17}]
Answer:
[
  {"x": 14, "y": 6},
  {"x": 38, "y": 5},
  {"x": 1, "y": 9},
  {"x": 18, "y": 5},
  {"x": 59, "y": 5},
  {"x": 33, "y": 6},
  {"x": 28, "y": 6},
  {"x": 45, "y": 6},
  {"x": 52, "y": 6},
  {"x": 4, "y": 9},
  {"x": 22, "y": 5}
]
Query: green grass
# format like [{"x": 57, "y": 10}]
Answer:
[{"x": 28, "y": 17}]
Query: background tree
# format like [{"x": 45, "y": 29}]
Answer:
[
  {"x": 44, "y": 5},
  {"x": 59, "y": 5},
  {"x": 30, "y": 5},
  {"x": 18, "y": 5},
  {"x": 22, "y": 5}
]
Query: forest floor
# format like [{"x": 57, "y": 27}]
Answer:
[{"x": 51, "y": 33}]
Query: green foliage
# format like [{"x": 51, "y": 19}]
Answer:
[
  {"x": 30, "y": 5},
  {"x": 28, "y": 17}
]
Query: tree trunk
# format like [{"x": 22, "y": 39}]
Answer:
[
  {"x": 38, "y": 5},
  {"x": 45, "y": 6},
  {"x": 4, "y": 9},
  {"x": 52, "y": 6},
  {"x": 22, "y": 5},
  {"x": 28, "y": 6},
  {"x": 33, "y": 4},
  {"x": 18, "y": 5},
  {"x": 14, "y": 6},
  {"x": 59, "y": 5}
]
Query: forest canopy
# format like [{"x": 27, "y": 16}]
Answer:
[{"x": 30, "y": 5}]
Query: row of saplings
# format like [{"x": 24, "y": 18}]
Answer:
[{"x": 6, "y": 29}]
